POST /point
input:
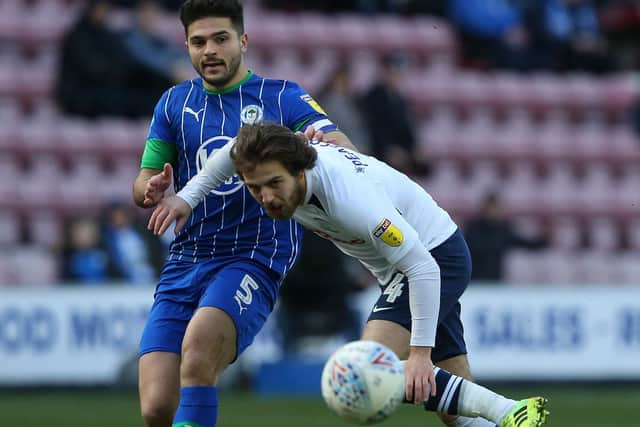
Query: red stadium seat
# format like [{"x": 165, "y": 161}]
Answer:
[
  {"x": 567, "y": 233},
  {"x": 9, "y": 228},
  {"x": 559, "y": 267},
  {"x": 597, "y": 267},
  {"x": 603, "y": 234},
  {"x": 35, "y": 266},
  {"x": 628, "y": 268},
  {"x": 46, "y": 229}
]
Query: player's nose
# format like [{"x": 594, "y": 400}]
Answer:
[
  {"x": 266, "y": 196},
  {"x": 210, "y": 47}
]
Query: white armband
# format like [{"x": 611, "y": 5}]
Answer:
[
  {"x": 217, "y": 169},
  {"x": 424, "y": 294}
]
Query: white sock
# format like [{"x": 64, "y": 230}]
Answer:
[
  {"x": 477, "y": 401},
  {"x": 471, "y": 422}
]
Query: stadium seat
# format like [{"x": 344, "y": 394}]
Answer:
[
  {"x": 559, "y": 267},
  {"x": 10, "y": 230},
  {"x": 558, "y": 190},
  {"x": 628, "y": 268},
  {"x": 363, "y": 70},
  {"x": 633, "y": 234},
  {"x": 521, "y": 267},
  {"x": 521, "y": 191},
  {"x": 34, "y": 266},
  {"x": 603, "y": 234},
  {"x": 597, "y": 267},
  {"x": 567, "y": 233},
  {"x": 431, "y": 36},
  {"x": 594, "y": 195},
  {"x": 485, "y": 177},
  {"x": 39, "y": 134},
  {"x": 582, "y": 92},
  {"x": 78, "y": 136},
  {"x": 45, "y": 229},
  {"x": 552, "y": 140}
]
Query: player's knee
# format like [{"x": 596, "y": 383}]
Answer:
[
  {"x": 158, "y": 413},
  {"x": 201, "y": 366}
]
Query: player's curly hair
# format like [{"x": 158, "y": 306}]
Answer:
[
  {"x": 265, "y": 142},
  {"x": 193, "y": 10}
]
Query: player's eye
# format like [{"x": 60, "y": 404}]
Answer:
[{"x": 221, "y": 39}]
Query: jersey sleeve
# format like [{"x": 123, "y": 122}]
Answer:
[
  {"x": 160, "y": 127},
  {"x": 373, "y": 214},
  {"x": 301, "y": 110},
  {"x": 160, "y": 146}
]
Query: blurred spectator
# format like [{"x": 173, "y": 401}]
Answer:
[
  {"x": 152, "y": 49},
  {"x": 386, "y": 112},
  {"x": 492, "y": 33},
  {"x": 565, "y": 35},
  {"x": 338, "y": 100},
  {"x": 491, "y": 236},
  {"x": 97, "y": 74},
  {"x": 314, "y": 296},
  {"x": 128, "y": 245},
  {"x": 84, "y": 257}
]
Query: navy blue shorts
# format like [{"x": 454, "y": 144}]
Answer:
[
  {"x": 243, "y": 289},
  {"x": 454, "y": 260}
]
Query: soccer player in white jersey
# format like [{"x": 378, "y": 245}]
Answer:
[{"x": 394, "y": 228}]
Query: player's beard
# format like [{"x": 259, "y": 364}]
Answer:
[{"x": 229, "y": 74}]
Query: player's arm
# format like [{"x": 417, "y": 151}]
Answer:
[
  {"x": 216, "y": 170},
  {"x": 338, "y": 138},
  {"x": 399, "y": 243},
  {"x": 140, "y": 184},
  {"x": 423, "y": 275},
  {"x": 158, "y": 157},
  {"x": 156, "y": 173}
]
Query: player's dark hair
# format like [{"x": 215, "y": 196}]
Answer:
[
  {"x": 265, "y": 142},
  {"x": 193, "y": 10}
]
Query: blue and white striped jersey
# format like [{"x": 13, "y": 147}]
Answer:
[{"x": 229, "y": 222}]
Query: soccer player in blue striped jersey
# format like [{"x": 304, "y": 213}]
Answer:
[{"x": 224, "y": 268}]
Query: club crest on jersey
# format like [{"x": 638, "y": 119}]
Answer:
[
  {"x": 207, "y": 149},
  {"x": 388, "y": 233},
  {"x": 312, "y": 102},
  {"x": 251, "y": 115}
]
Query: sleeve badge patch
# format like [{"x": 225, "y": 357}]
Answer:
[
  {"x": 388, "y": 233},
  {"x": 312, "y": 102}
]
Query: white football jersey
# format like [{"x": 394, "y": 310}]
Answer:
[{"x": 369, "y": 210}]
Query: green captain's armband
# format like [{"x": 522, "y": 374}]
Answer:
[{"x": 157, "y": 153}]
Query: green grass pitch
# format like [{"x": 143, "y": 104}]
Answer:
[{"x": 583, "y": 406}]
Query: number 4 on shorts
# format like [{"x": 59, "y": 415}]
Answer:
[{"x": 394, "y": 289}]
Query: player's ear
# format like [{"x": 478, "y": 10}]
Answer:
[{"x": 244, "y": 42}]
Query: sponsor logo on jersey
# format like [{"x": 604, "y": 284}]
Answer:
[
  {"x": 251, "y": 115},
  {"x": 312, "y": 102},
  {"x": 207, "y": 149},
  {"x": 388, "y": 233}
]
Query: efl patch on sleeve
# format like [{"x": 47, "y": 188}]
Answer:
[
  {"x": 309, "y": 100},
  {"x": 388, "y": 233}
]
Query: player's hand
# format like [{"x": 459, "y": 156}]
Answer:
[
  {"x": 170, "y": 209},
  {"x": 311, "y": 133},
  {"x": 419, "y": 376},
  {"x": 157, "y": 185}
]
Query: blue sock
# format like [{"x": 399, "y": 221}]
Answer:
[{"x": 198, "y": 407}]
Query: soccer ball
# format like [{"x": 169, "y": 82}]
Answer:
[{"x": 363, "y": 382}]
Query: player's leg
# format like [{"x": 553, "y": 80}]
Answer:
[
  {"x": 158, "y": 386},
  {"x": 467, "y": 403},
  {"x": 160, "y": 345},
  {"x": 232, "y": 310}
]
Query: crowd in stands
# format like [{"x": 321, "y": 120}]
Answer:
[{"x": 433, "y": 88}]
